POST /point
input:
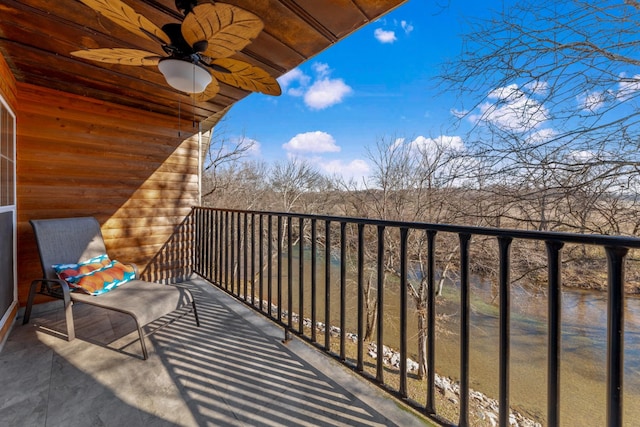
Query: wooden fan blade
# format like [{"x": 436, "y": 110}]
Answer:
[
  {"x": 119, "y": 56},
  {"x": 126, "y": 17},
  {"x": 226, "y": 28},
  {"x": 246, "y": 76},
  {"x": 211, "y": 91}
]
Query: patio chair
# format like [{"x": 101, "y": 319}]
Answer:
[{"x": 78, "y": 241}]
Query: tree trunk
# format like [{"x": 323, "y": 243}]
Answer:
[{"x": 422, "y": 342}]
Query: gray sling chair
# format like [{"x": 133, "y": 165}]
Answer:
[{"x": 74, "y": 240}]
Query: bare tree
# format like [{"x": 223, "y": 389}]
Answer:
[
  {"x": 238, "y": 185},
  {"x": 554, "y": 91},
  {"x": 222, "y": 154},
  {"x": 293, "y": 179},
  {"x": 414, "y": 180}
]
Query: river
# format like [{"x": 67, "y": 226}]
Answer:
[
  {"x": 583, "y": 354},
  {"x": 583, "y": 357}
]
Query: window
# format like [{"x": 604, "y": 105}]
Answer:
[
  {"x": 7, "y": 156},
  {"x": 8, "y": 291}
]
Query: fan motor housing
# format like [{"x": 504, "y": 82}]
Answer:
[{"x": 185, "y": 6}]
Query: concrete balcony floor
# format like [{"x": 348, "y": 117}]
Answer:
[{"x": 232, "y": 371}]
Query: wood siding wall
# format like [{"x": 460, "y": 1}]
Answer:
[{"x": 82, "y": 157}]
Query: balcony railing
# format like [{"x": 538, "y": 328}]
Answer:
[{"x": 284, "y": 263}]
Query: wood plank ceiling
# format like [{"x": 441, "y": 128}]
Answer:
[{"x": 37, "y": 36}]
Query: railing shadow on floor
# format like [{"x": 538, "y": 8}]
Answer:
[{"x": 235, "y": 373}]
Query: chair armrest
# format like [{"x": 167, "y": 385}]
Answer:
[
  {"x": 135, "y": 269},
  {"x": 60, "y": 288}
]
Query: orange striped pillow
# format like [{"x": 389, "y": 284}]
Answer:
[
  {"x": 70, "y": 273},
  {"x": 106, "y": 279}
]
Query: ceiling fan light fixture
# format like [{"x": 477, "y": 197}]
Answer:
[{"x": 184, "y": 75}]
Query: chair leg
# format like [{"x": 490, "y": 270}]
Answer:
[
  {"x": 145, "y": 355},
  {"x": 68, "y": 314},
  {"x": 32, "y": 294},
  {"x": 195, "y": 313}
]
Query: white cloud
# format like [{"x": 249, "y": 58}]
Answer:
[
  {"x": 506, "y": 93},
  {"x": 356, "y": 170},
  {"x": 442, "y": 143},
  {"x": 628, "y": 86},
  {"x": 321, "y": 69},
  {"x": 537, "y": 87},
  {"x": 444, "y": 157},
  {"x": 295, "y": 78},
  {"x": 384, "y": 36},
  {"x": 390, "y": 36},
  {"x": 542, "y": 135},
  {"x": 581, "y": 156},
  {"x": 255, "y": 149},
  {"x": 326, "y": 92},
  {"x": 408, "y": 28},
  {"x": 513, "y": 110},
  {"x": 312, "y": 142},
  {"x": 430, "y": 146},
  {"x": 592, "y": 101},
  {"x": 398, "y": 142},
  {"x": 322, "y": 93}
]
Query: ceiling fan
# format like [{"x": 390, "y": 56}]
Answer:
[{"x": 198, "y": 50}]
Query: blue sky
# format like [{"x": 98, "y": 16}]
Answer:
[{"x": 377, "y": 83}]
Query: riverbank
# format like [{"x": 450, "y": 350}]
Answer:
[{"x": 484, "y": 411}]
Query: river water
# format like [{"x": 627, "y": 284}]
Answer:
[{"x": 583, "y": 357}]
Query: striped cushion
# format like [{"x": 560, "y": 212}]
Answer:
[
  {"x": 105, "y": 279},
  {"x": 70, "y": 273}
]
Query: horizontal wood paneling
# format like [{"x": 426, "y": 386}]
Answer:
[
  {"x": 7, "y": 84},
  {"x": 135, "y": 171}
]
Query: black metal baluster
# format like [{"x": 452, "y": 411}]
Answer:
[
  {"x": 279, "y": 272},
  {"x": 554, "y": 249},
  {"x": 301, "y": 277},
  {"x": 404, "y": 234},
  {"x": 261, "y": 260},
  {"x": 245, "y": 253},
  {"x": 198, "y": 248},
  {"x": 270, "y": 265},
  {"x": 343, "y": 289},
  {"x": 615, "y": 334},
  {"x": 253, "y": 259},
  {"x": 505, "y": 318},
  {"x": 227, "y": 266},
  {"x": 290, "y": 272},
  {"x": 314, "y": 279},
  {"x": 431, "y": 326},
  {"x": 232, "y": 252},
  {"x": 208, "y": 263},
  {"x": 380, "y": 314},
  {"x": 217, "y": 248},
  {"x": 238, "y": 268},
  {"x": 464, "y": 329},
  {"x": 360, "y": 362},
  {"x": 217, "y": 253},
  {"x": 327, "y": 286}
]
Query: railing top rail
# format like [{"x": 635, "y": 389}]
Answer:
[{"x": 566, "y": 237}]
